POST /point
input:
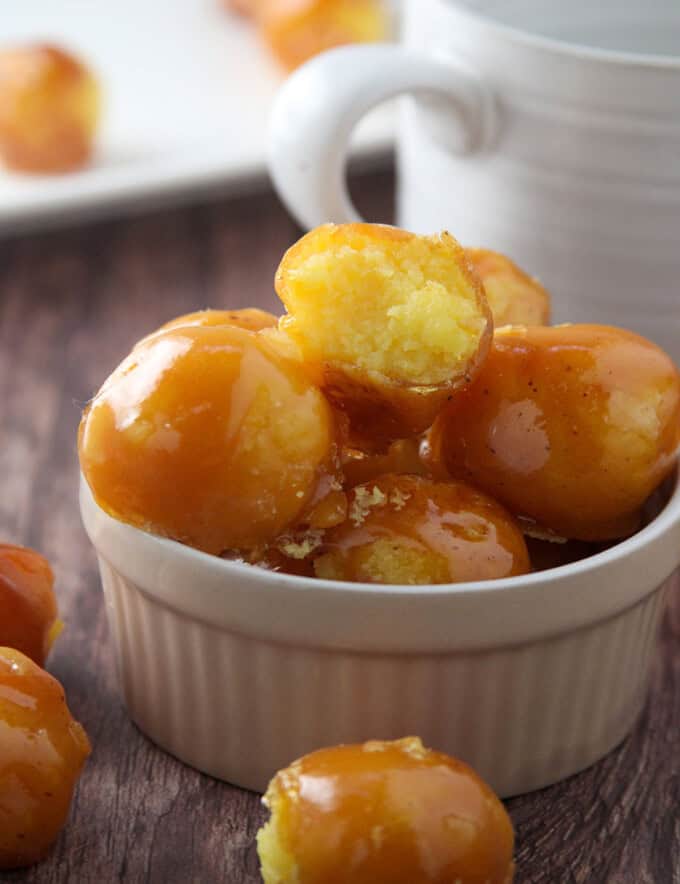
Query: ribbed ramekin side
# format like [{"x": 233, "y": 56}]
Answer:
[{"x": 239, "y": 708}]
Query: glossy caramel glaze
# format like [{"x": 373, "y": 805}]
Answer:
[
  {"x": 402, "y": 456},
  {"x": 42, "y": 751},
  {"x": 209, "y": 436},
  {"x": 405, "y": 529},
  {"x": 384, "y": 813},
  {"x": 515, "y": 297},
  {"x": 250, "y": 318},
  {"x": 28, "y": 607},
  {"x": 571, "y": 427},
  {"x": 49, "y": 108}
]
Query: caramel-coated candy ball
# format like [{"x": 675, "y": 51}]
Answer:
[
  {"x": 297, "y": 30},
  {"x": 42, "y": 751},
  {"x": 250, "y": 318},
  {"x": 515, "y": 297},
  {"x": 384, "y": 813},
  {"x": 571, "y": 427},
  {"x": 28, "y": 607},
  {"x": 394, "y": 322},
  {"x": 49, "y": 108},
  {"x": 208, "y": 436},
  {"x": 410, "y": 530}
]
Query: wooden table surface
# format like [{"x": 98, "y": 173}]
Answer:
[{"x": 71, "y": 305}]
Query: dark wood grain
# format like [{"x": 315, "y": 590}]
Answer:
[{"x": 71, "y": 305}]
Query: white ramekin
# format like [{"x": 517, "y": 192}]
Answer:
[{"x": 237, "y": 671}]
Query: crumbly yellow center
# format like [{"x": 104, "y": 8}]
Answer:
[
  {"x": 386, "y": 561},
  {"x": 277, "y": 863},
  {"x": 407, "y": 311}
]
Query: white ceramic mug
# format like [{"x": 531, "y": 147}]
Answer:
[{"x": 549, "y": 131}]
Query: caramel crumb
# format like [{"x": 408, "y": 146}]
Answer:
[
  {"x": 300, "y": 549},
  {"x": 398, "y": 499},
  {"x": 363, "y": 501}
]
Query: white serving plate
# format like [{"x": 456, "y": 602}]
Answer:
[{"x": 188, "y": 90}]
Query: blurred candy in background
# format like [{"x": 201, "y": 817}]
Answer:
[
  {"x": 153, "y": 103},
  {"x": 297, "y": 30}
]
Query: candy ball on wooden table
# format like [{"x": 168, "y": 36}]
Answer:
[
  {"x": 570, "y": 427},
  {"x": 296, "y": 30},
  {"x": 515, "y": 298},
  {"x": 28, "y": 607},
  {"x": 250, "y": 318},
  {"x": 49, "y": 109},
  {"x": 384, "y": 813},
  {"x": 394, "y": 322},
  {"x": 411, "y": 530},
  {"x": 209, "y": 436},
  {"x": 42, "y": 752}
]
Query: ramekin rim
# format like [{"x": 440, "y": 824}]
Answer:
[{"x": 665, "y": 520}]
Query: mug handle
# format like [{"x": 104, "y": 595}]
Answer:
[{"x": 320, "y": 104}]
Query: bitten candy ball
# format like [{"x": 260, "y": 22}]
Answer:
[
  {"x": 384, "y": 813},
  {"x": 393, "y": 322}
]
